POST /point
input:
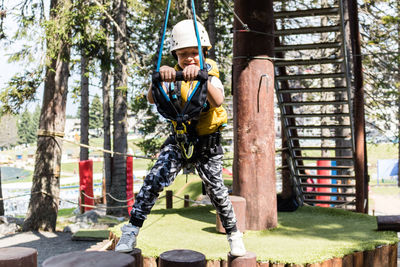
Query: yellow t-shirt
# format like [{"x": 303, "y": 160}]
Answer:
[{"x": 213, "y": 118}]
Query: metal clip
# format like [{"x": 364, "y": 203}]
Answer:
[{"x": 259, "y": 88}]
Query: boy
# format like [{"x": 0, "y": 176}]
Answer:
[{"x": 208, "y": 151}]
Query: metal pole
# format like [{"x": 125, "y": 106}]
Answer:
[
  {"x": 359, "y": 120},
  {"x": 254, "y": 131}
]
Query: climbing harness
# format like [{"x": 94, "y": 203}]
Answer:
[{"x": 196, "y": 100}]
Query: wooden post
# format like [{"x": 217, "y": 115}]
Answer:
[
  {"x": 360, "y": 167},
  {"x": 168, "y": 196},
  {"x": 253, "y": 104},
  {"x": 103, "y": 190},
  {"x": 186, "y": 204},
  {"x": 82, "y": 208}
]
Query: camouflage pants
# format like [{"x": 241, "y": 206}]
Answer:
[{"x": 163, "y": 173}]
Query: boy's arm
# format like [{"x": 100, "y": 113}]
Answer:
[
  {"x": 150, "y": 95},
  {"x": 215, "y": 95}
]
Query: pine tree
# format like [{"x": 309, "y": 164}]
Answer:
[
  {"x": 43, "y": 205},
  {"x": 26, "y": 128},
  {"x": 96, "y": 114}
]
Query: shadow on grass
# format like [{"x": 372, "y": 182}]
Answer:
[
  {"x": 199, "y": 213},
  {"x": 327, "y": 223}
]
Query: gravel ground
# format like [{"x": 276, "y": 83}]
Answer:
[{"x": 47, "y": 244}]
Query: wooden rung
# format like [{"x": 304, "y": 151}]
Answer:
[
  {"x": 309, "y": 46},
  {"x": 388, "y": 223},
  {"x": 315, "y": 103},
  {"x": 310, "y": 76},
  {"x": 325, "y": 167},
  {"x": 311, "y": 90},
  {"x": 334, "y": 202},
  {"x": 307, "y": 12},
  {"x": 333, "y": 194},
  {"x": 328, "y": 185},
  {"x": 308, "y": 30},
  {"x": 316, "y": 176}
]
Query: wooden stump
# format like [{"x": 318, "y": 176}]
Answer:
[
  {"x": 393, "y": 255},
  {"x": 388, "y": 223},
  {"x": 168, "y": 195},
  {"x": 182, "y": 258},
  {"x": 150, "y": 262},
  {"x": 137, "y": 254},
  {"x": 90, "y": 259},
  {"x": 18, "y": 256},
  {"x": 239, "y": 206},
  {"x": 347, "y": 261},
  {"x": 248, "y": 260}
]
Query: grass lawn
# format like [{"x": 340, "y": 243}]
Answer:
[{"x": 309, "y": 235}]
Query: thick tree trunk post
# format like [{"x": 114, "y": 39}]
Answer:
[
  {"x": 84, "y": 116},
  {"x": 1, "y": 198},
  {"x": 43, "y": 205},
  {"x": 360, "y": 167},
  {"x": 106, "y": 85},
  {"x": 254, "y": 135},
  {"x": 118, "y": 183}
]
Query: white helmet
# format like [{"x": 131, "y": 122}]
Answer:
[{"x": 183, "y": 35}]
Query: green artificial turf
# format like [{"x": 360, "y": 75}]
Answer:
[
  {"x": 91, "y": 234},
  {"x": 309, "y": 235}
]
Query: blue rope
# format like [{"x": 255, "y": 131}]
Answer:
[
  {"x": 163, "y": 36},
  {"x": 197, "y": 36},
  {"x": 162, "y": 46}
]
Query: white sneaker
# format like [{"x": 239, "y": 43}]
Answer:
[
  {"x": 127, "y": 242},
  {"x": 236, "y": 243}
]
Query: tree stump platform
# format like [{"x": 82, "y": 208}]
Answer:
[
  {"x": 137, "y": 254},
  {"x": 388, "y": 223},
  {"x": 90, "y": 259},
  {"x": 239, "y": 206},
  {"x": 382, "y": 256},
  {"x": 182, "y": 258},
  {"x": 18, "y": 256},
  {"x": 248, "y": 260}
]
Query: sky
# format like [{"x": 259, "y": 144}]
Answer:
[{"x": 7, "y": 70}]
